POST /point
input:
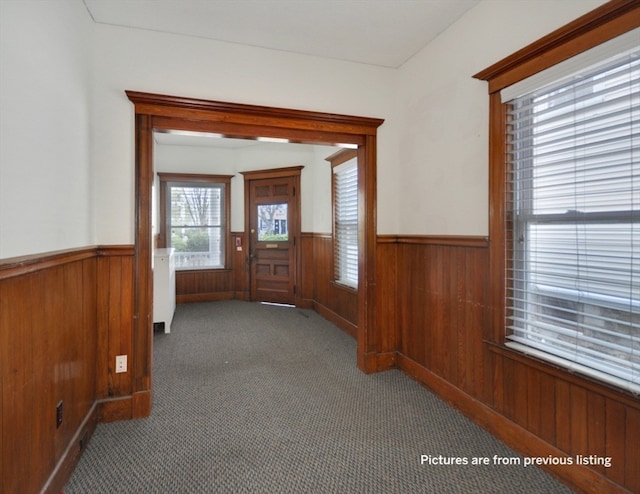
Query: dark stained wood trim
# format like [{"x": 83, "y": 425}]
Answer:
[
  {"x": 341, "y": 156},
  {"x": 115, "y": 409},
  {"x": 71, "y": 456},
  {"x": 143, "y": 274},
  {"x": 115, "y": 250},
  {"x": 577, "y": 477},
  {"x": 291, "y": 171},
  {"x": 387, "y": 239},
  {"x": 448, "y": 240},
  {"x": 18, "y": 266},
  {"x": 316, "y": 235},
  {"x": 345, "y": 325},
  {"x": 48, "y": 318},
  {"x": 194, "y": 177},
  {"x": 162, "y": 105},
  {"x": 206, "y": 297},
  {"x": 583, "y": 381},
  {"x": 367, "y": 216},
  {"x": 164, "y": 113},
  {"x": 561, "y": 410},
  {"x": 601, "y": 24}
]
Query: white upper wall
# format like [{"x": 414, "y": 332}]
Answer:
[
  {"x": 78, "y": 166},
  {"x": 45, "y": 159},
  {"x": 443, "y": 113},
  {"x": 193, "y": 67}
]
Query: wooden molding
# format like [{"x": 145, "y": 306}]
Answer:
[
  {"x": 447, "y": 240},
  {"x": 115, "y": 409},
  {"x": 194, "y": 177},
  {"x": 316, "y": 235},
  {"x": 291, "y": 171},
  {"x": 115, "y": 250},
  {"x": 156, "y": 113},
  {"x": 161, "y": 105},
  {"x": 205, "y": 297},
  {"x": 598, "y": 387},
  {"x": 600, "y": 25},
  {"x": 18, "y": 266},
  {"x": 345, "y": 325},
  {"x": 341, "y": 156},
  {"x": 512, "y": 434},
  {"x": 71, "y": 456}
]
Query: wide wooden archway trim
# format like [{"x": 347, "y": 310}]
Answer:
[{"x": 156, "y": 112}]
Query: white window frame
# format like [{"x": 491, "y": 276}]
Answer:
[
  {"x": 345, "y": 222},
  {"x": 221, "y": 183},
  {"x": 539, "y": 309}
]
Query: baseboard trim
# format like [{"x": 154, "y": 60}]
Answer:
[
  {"x": 115, "y": 409},
  {"x": 71, "y": 455},
  {"x": 345, "y": 325},
  {"x": 204, "y": 297},
  {"x": 370, "y": 363},
  {"x": 141, "y": 404},
  {"x": 576, "y": 477}
]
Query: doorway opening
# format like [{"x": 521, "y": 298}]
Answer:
[{"x": 161, "y": 113}]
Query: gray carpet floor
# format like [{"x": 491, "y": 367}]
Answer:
[{"x": 251, "y": 398}]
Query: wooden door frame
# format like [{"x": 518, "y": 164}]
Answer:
[
  {"x": 156, "y": 112},
  {"x": 289, "y": 172}
]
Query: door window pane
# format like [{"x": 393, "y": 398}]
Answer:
[{"x": 273, "y": 222}]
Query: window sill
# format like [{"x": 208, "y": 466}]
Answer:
[
  {"x": 344, "y": 287},
  {"x": 530, "y": 360}
]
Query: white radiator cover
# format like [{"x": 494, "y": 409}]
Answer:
[{"x": 164, "y": 287}]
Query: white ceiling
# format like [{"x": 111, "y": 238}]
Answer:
[{"x": 386, "y": 33}]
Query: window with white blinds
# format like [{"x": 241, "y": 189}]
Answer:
[
  {"x": 195, "y": 213},
  {"x": 345, "y": 183},
  {"x": 573, "y": 219}
]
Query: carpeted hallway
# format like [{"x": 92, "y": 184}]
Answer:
[{"x": 251, "y": 398}]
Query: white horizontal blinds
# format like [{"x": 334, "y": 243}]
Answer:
[
  {"x": 574, "y": 219},
  {"x": 196, "y": 213},
  {"x": 346, "y": 223}
]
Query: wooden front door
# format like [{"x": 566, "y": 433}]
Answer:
[{"x": 274, "y": 228}]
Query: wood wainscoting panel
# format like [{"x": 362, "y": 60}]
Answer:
[
  {"x": 48, "y": 345},
  {"x": 305, "y": 291},
  {"x": 204, "y": 285},
  {"x": 441, "y": 289},
  {"x": 337, "y": 303},
  {"x": 441, "y": 320},
  {"x": 387, "y": 302},
  {"x": 575, "y": 415},
  {"x": 115, "y": 321}
]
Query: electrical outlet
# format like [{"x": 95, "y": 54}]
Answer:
[{"x": 121, "y": 363}]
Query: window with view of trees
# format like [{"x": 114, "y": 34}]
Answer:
[
  {"x": 195, "y": 219},
  {"x": 573, "y": 213}
]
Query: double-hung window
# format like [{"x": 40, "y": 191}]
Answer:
[
  {"x": 194, "y": 218},
  {"x": 573, "y": 213},
  {"x": 345, "y": 220}
]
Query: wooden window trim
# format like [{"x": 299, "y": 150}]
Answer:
[
  {"x": 336, "y": 159},
  {"x": 594, "y": 28},
  {"x": 166, "y": 178}
]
